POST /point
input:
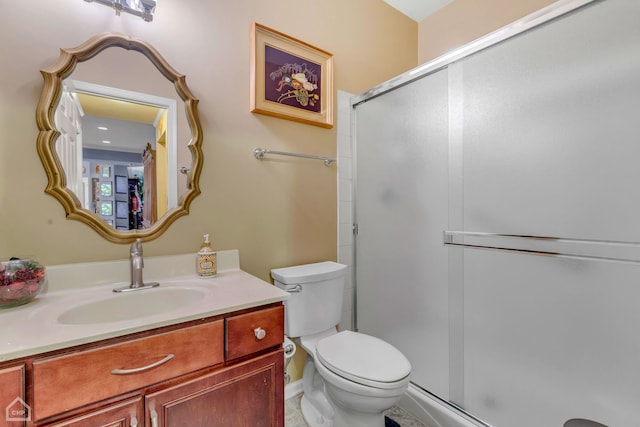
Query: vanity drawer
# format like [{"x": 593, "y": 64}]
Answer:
[
  {"x": 255, "y": 331},
  {"x": 70, "y": 381}
]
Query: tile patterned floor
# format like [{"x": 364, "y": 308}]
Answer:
[{"x": 293, "y": 416}]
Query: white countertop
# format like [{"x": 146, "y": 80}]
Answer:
[{"x": 36, "y": 327}]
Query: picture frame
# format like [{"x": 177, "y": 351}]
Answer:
[{"x": 290, "y": 79}]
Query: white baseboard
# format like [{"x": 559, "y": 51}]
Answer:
[{"x": 293, "y": 389}]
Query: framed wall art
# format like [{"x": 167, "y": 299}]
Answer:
[{"x": 290, "y": 79}]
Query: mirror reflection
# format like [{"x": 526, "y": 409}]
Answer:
[
  {"x": 124, "y": 168},
  {"x": 126, "y": 137}
]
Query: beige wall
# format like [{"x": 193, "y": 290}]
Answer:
[
  {"x": 276, "y": 212},
  {"x": 463, "y": 21}
]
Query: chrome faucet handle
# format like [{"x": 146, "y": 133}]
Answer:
[
  {"x": 136, "y": 261},
  {"x": 136, "y": 248},
  {"x": 135, "y": 255}
]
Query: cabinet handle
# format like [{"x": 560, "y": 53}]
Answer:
[
  {"x": 134, "y": 422},
  {"x": 154, "y": 418},
  {"x": 143, "y": 368},
  {"x": 260, "y": 333}
]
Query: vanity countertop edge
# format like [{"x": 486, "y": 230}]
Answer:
[{"x": 34, "y": 328}]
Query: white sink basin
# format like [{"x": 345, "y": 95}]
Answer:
[{"x": 130, "y": 305}]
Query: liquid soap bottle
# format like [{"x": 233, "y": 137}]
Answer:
[{"x": 206, "y": 263}]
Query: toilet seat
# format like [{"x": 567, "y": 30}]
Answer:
[{"x": 363, "y": 359}]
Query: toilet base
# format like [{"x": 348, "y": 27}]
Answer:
[
  {"x": 311, "y": 415},
  {"x": 341, "y": 418},
  {"x": 322, "y": 403},
  {"x": 314, "y": 418},
  {"x": 316, "y": 409},
  {"x": 347, "y": 418}
]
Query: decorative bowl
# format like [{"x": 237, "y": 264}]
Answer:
[{"x": 21, "y": 279}]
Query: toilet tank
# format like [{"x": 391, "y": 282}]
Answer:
[{"x": 317, "y": 291}]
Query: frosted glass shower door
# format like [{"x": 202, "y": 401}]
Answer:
[
  {"x": 551, "y": 148},
  {"x": 401, "y": 210},
  {"x": 538, "y": 135}
]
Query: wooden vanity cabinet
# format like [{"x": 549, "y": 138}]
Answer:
[
  {"x": 223, "y": 371},
  {"x": 128, "y": 413},
  {"x": 12, "y": 399},
  {"x": 246, "y": 394}
]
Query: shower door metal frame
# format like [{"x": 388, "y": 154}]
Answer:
[{"x": 542, "y": 16}]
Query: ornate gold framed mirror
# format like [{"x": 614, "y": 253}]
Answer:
[{"x": 120, "y": 154}]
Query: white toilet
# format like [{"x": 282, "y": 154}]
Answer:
[{"x": 349, "y": 378}]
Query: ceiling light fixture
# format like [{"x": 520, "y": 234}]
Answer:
[
  {"x": 102, "y": 128},
  {"x": 141, "y": 8}
]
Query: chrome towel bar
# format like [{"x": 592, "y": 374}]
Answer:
[
  {"x": 559, "y": 247},
  {"x": 259, "y": 153}
]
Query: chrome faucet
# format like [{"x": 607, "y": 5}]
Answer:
[{"x": 136, "y": 262}]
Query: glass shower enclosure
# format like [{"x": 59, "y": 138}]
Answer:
[{"x": 497, "y": 202}]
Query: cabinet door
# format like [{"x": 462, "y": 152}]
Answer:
[
  {"x": 123, "y": 414},
  {"x": 16, "y": 411},
  {"x": 249, "y": 394}
]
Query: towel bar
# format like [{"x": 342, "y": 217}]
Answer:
[
  {"x": 259, "y": 153},
  {"x": 546, "y": 246}
]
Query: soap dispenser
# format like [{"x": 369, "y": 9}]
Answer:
[{"x": 206, "y": 263}]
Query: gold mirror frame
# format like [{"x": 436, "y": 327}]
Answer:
[{"x": 48, "y": 135}]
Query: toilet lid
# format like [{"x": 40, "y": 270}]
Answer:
[{"x": 362, "y": 358}]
